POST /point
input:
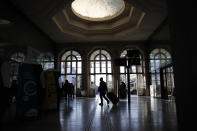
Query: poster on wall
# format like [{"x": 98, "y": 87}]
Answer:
[
  {"x": 29, "y": 88},
  {"x": 51, "y": 93}
]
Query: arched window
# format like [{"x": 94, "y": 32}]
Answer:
[
  {"x": 100, "y": 66},
  {"x": 137, "y": 77},
  {"x": 71, "y": 68},
  {"x": 47, "y": 61},
  {"x": 158, "y": 57},
  {"x": 16, "y": 58}
]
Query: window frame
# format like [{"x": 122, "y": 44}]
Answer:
[
  {"x": 108, "y": 66},
  {"x": 64, "y": 62},
  {"x": 154, "y": 69}
]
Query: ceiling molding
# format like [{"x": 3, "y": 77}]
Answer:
[{"x": 128, "y": 22}]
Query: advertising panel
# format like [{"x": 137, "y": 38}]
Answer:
[{"x": 28, "y": 93}]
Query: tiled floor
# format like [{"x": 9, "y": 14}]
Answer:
[{"x": 142, "y": 114}]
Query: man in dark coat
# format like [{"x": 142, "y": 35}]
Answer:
[
  {"x": 122, "y": 90},
  {"x": 102, "y": 90},
  {"x": 66, "y": 87}
]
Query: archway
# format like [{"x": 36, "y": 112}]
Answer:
[
  {"x": 46, "y": 60},
  {"x": 158, "y": 57},
  {"x": 71, "y": 69},
  {"x": 100, "y": 66},
  {"x": 137, "y": 76},
  {"x": 16, "y": 59}
]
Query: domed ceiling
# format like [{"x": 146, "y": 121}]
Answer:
[
  {"x": 113, "y": 20},
  {"x": 67, "y": 21}
]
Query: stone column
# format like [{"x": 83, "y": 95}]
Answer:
[
  {"x": 55, "y": 53},
  {"x": 116, "y": 79},
  {"x": 147, "y": 74},
  {"x": 116, "y": 72},
  {"x": 85, "y": 74}
]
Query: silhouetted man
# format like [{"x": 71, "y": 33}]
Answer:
[
  {"x": 102, "y": 90},
  {"x": 66, "y": 87},
  {"x": 122, "y": 90}
]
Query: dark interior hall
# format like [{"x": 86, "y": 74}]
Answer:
[{"x": 54, "y": 52}]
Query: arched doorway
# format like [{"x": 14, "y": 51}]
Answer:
[
  {"x": 46, "y": 60},
  {"x": 100, "y": 66},
  {"x": 137, "y": 76},
  {"x": 16, "y": 58},
  {"x": 158, "y": 57},
  {"x": 71, "y": 69}
]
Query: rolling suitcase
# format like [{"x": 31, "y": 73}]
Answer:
[{"x": 113, "y": 98}]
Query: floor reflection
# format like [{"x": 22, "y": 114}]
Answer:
[{"x": 142, "y": 114}]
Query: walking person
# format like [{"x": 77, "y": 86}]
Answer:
[
  {"x": 103, "y": 90},
  {"x": 66, "y": 89}
]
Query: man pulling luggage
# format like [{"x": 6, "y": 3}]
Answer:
[{"x": 102, "y": 90}]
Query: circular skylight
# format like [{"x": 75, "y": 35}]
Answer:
[{"x": 97, "y": 9}]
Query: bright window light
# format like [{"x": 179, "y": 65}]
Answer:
[{"x": 97, "y": 8}]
